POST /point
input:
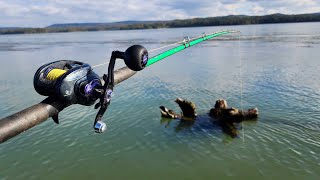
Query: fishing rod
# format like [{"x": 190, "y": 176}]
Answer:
[{"x": 68, "y": 82}]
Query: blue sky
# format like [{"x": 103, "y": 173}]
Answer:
[{"x": 28, "y": 13}]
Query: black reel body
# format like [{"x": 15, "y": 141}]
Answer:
[
  {"x": 68, "y": 81},
  {"x": 74, "y": 82}
]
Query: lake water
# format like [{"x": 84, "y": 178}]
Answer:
[{"x": 278, "y": 64}]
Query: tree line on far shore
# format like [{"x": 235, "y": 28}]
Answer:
[{"x": 196, "y": 22}]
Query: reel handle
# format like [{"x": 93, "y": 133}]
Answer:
[{"x": 136, "y": 58}]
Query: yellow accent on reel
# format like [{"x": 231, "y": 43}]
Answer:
[{"x": 54, "y": 74}]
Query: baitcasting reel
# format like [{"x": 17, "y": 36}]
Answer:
[{"x": 74, "y": 82}]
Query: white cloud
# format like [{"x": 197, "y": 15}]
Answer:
[
  {"x": 8, "y": 9},
  {"x": 43, "y": 13},
  {"x": 258, "y": 10},
  {"x": 49, "y": 10}
]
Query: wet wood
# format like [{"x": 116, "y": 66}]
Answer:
[
  {"x": 222, "y": 113},
  {"x": 227, "y": 118},
  {"x": 188, "y": 109}
]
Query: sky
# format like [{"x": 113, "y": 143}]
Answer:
[{"x": 35, "y": 13}]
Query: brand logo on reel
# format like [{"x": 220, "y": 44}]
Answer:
[{"x": 145, "y": 59}]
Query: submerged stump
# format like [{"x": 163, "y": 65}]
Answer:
[
  {"x": 222, "y": 113},
  {"x": 227, "y": 118},
  {"x": 188, "y": 109}
]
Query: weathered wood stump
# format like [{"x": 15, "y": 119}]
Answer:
[
  {"x": 226, "y": 117},
  {"x": 188, "y": 110},
  {"x": 222, "y": 113}
]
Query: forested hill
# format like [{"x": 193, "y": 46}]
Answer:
[
  {"x": 75, "y": 25},
  {"x": 210, "y": 21}
]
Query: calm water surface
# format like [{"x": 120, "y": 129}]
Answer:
[{"x": 278, "y": 64}]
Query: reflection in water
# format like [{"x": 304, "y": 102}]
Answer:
[{"x": 184, "y": 125}]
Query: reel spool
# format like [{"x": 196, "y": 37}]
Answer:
[{"x": 68, "y": 81}]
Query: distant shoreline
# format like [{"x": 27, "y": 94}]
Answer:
[{"x": 195, "y": 22}]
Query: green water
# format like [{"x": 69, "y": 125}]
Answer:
[{"x": 279, "y": 67}]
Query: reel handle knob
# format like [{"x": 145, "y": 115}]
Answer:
[
  {"x": 100, "y": 127},
  {"x": 136, "y": 57}
]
